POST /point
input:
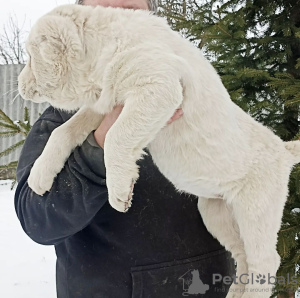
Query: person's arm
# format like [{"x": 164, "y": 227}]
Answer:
[
  {"x": 110, "y": 119},
  {"x": 78, "y": 192}
]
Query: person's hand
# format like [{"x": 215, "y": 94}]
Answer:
[
  {"x": 106, "y": 124},
  {"x": 111, "y": 118}
]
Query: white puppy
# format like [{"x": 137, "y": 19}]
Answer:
[{"x": 92, "y": 59}]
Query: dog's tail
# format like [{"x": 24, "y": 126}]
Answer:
[{"x": 294, "y": 148}]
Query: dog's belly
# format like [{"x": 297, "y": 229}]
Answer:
[
  {"x": 201, "y": 188},
  {"x": 183, "y": 179},
  {"x": 195, "y": 166},
  {"x": 186, "y": 174}
]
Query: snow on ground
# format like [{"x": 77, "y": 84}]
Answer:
[{"x": 27, "y": 269}]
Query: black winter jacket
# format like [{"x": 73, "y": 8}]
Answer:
[{"x": 148, "y": 252}]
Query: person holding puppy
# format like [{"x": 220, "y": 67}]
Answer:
[{"x": 150, "y": 251}]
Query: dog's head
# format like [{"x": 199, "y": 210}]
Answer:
[{"x": 55, "y": 53}]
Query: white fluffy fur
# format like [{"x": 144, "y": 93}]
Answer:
[{"x": 96, "y": 58}]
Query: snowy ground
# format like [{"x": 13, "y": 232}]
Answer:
[{"x": 27, "y": 269}]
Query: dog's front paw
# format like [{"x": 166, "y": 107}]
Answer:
[
  {"x": 121, "y": 175},
  {"x": 121, "y": 201},
  {"x": 41, "y": 177}
]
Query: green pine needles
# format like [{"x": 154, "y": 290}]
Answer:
[
  {"x": 255, "y": 47},
  {"x": 9, "y": 128}
]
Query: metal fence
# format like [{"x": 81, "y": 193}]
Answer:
[{"x": 13, "y": 105}]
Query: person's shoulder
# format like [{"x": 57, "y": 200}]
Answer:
[{"x": 52, "y": 114}]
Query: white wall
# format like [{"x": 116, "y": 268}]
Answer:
[{"x": 13, "y": 105}]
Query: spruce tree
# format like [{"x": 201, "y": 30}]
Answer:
[
  {"x": 255, "y": 47},
  {"x": 9, "y": 128}
]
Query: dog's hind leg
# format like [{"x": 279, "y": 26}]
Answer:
[
  {"x": 219, "y": 221},
  {"x": 258, "y": 209}
]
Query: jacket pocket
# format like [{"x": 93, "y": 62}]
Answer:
[{"x": 192, "y": 277}]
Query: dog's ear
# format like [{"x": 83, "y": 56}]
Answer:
[{"x": 59, "y": 40}]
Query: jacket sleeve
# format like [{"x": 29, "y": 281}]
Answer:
[{"x": 78, "y": 192}]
